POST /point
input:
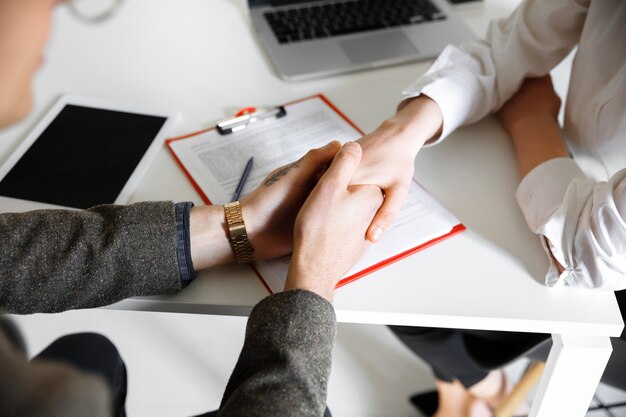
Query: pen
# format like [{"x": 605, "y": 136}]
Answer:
[{"x": 242, "y": 180}]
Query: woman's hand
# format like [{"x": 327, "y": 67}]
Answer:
[
  {"x": 389, "y": 156},
  {"x": 330, "y": 228},
  {"x": 535, "y": 99},
  {"x": 270, "y": 211},
  {"x": 530, "y": 118}
]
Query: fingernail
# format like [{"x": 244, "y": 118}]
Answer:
[{"x": 377, "y": 233}]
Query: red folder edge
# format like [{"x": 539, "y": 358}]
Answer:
[
  {"x": 180, "y": 164},
  {"x": 455, "y": 230}
]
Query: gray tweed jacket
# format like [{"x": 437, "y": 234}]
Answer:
[{"x": 52, "y": 261}]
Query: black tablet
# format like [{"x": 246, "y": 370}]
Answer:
[{"x": 84, "y": 152}]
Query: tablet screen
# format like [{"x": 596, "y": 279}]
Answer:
[{"x": 83, "y": 158}]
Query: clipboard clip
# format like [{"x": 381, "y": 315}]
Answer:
[{"x": 247, "y": 116}]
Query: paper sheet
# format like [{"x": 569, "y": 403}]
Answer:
[{"x": 216, "y": 161}]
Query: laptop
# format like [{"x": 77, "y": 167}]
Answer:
[{"x": 317, "y": 38}]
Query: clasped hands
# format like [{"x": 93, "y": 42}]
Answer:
[
  {"x": 308, "y": 207},
  {"x": 327, "y": 206},
  {"x": 315, "y": 211}
]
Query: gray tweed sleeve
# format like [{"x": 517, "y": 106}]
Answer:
[
  {"x": 56, "y": 260},
  {"x": 285, "y": 362}
]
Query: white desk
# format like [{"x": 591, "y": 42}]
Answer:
[{"x": 201, "y": 58}]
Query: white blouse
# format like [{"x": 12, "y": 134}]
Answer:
[{"x": 578, "y": 205}]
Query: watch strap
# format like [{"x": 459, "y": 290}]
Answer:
[{"x": 242, "y": 249}]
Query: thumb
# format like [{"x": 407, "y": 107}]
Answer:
[
  {"x": 394, "y": 199},
  {"x": 344, "y": 165}
]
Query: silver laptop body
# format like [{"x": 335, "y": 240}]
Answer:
[{"x": 300, "y": 52}]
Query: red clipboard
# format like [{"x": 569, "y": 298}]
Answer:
[{"x": 455, "y": 230}]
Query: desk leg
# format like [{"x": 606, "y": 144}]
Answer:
[{"x": 573, "y": 371}]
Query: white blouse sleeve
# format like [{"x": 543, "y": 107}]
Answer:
[
  {"x": 584, "y": 223},
  {"x": 477, "y": 78}
]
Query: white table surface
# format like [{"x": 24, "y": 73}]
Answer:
[{"x": 200, "y": 57}]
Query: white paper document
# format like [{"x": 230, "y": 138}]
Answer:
[{"x": 215, "y": 162}]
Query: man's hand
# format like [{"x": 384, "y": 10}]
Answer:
[
  {"x": 270, "y": 211},
  {"x": 389, "y": 156},
  {"x": 330, "y": 228}
]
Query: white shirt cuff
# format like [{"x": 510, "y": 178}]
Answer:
[
  {"x": 451, "y": 82},
  {"x": 554, "y": 278},
  {"x": 542, "y": 190}
]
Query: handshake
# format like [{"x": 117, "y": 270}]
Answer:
[{"x": 308, "y": 207}]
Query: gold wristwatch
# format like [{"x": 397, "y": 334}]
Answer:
[{"x": 242, "y": 248}]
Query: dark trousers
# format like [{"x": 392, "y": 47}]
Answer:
[
  {"x": 93, "y": 353},
  {"x": 468, "y": 355}
]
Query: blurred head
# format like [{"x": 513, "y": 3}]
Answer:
[{"x": 24, "y": 28}]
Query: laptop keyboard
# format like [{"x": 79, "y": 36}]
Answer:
[{"x": 345, "y": 17}]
